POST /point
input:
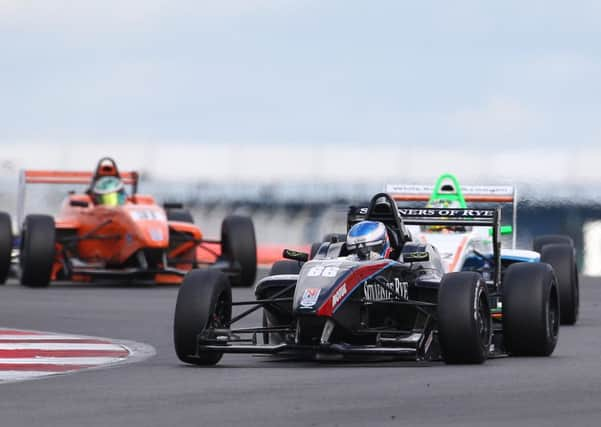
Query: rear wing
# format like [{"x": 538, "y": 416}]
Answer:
[
  {"x": 438, "y": 216},
  {"x": 470, "y": 193},
  {"x": 61, "y": 177},
  {"x": 448, "y": 217}
]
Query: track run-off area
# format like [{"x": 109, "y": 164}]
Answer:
[{"x": 245, "y": 390}]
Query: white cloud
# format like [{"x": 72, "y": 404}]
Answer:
[
  {"x": 501, "y": 120},
  {"x": 106, "y": 15}
]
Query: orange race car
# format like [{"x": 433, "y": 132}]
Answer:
[{"x": 106, "y": 233}]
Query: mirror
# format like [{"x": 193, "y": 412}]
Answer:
[
  {"x": 78, "y": 203},
  {"x": 416, "y": 257},
  {"x": 173, "y": 205},
  {"x": 295, "y": 255}
]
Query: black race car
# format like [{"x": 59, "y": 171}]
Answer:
[{"x": 337, "y": 306}]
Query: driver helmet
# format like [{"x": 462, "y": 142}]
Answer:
[
  {"x": 368, "y": 240},
  {"x": 109, "y": 191}
]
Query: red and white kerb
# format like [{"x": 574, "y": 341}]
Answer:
[{"x": 31, "y": 354}]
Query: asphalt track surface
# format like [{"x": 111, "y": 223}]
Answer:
[{"x": 242, "y": 390}]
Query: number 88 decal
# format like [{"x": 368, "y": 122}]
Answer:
[{"x": 321, "y": 271}]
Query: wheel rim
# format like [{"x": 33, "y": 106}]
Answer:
[
  {"x": 22, "y": 252},
  {"x": 483, "y": 325},
  {"x": 576, "y": 292},
  {"x": 483, "y": 322},
  {"x": 226, "y": 249},
  {"x": 221, "y": 316},
  {"x": 552, "y": 317}
]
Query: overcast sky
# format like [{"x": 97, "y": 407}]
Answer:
[{"x": 292, "y": 71}]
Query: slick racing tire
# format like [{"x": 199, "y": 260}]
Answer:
[
  {"x": 181, "y": 215},
  {"x": 464, "y": 319},
  {"x": 238, "y": 245},
  {"x": 561, "y": 258},
  {"x": 37, "y": 250},
  {"x": 6, "y": 246},
  {"x": 530, "y": 309},
  {"x": 278, "y": 267},
  {"x": 204, "y": 301},
  {"x": 547, "y": 239}
]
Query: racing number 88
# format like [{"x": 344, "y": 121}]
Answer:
[{"x": 320, "y": 270}]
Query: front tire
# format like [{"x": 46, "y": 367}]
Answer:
[
  {"x": 561, "y": 258},
  {"x": 204, "y": 301},
  {"x": 238, "y": 245},
  {"x": 37, "y": 250},
  {"x": 530, "y": 309},
  {"x": 464, "y": 320},
  {"x": 6, "y": 246}
]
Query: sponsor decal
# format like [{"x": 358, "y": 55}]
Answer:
[
  {"x": 148, "y": 215},
  {"x": 353, "y": 280},
  {"x": 340, "y": 293},
  {"x": 375, "y": 292},
  {"x": 445, "y": 213},
  {"x": 465, "y": 189},
  {"x": 156, "y": 234},
  {"x": 409, "y": 188},
  {"x": 450, "y": 213},
  {"x": 310, "y": 296}
]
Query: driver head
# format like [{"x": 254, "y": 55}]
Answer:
[
  {"x": 368, "y": 240},
  {"x": 109, "y": 191}
]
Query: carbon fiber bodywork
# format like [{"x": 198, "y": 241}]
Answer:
[{"x": 339, "y": 306}]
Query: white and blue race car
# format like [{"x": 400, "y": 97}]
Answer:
[{"x": 471, "y": 248}]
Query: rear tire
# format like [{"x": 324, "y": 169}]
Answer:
[
  {"x": 6, "y": 246},
  {"x": 561, "y": 258},
  {"x": 464, "y": 320},
  {"x": 238, "y": 245},
  {"x": 530, "y": 309},
  {"x": 37, "y": 250},
  {"x": 181, "y": 215},
  {"x": 547, "y": 239},
  {"x": 204, "y": 300}
]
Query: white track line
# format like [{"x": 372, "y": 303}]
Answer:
[
  {"x": 60, "y": 346},
  {"x": 36, "y": 337},
  {"x": 9, "y": 376},
  {"x": 61, "y": 360}
]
